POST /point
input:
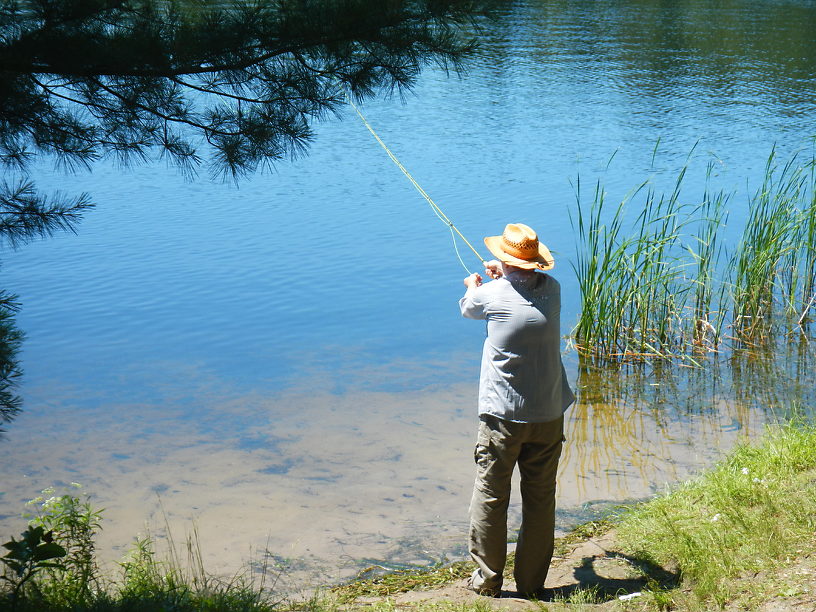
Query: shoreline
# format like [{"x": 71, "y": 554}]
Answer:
[
  {"x": 738, "y": 536},
  {"x": 699, "y": 546}
]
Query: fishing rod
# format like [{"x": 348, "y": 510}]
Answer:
[{"x": 434, "y": 206}]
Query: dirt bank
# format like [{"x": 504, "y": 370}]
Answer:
[{"x": 593, "y": 572}]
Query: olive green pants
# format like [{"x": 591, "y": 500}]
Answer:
[{"x": 536, "y": 448}]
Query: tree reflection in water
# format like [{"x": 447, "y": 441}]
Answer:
[
  {"x": 10, "y": 340},
  {"x": 25, "y": 215}
]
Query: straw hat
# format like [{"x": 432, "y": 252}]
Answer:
[{"x": 519, "y": 246}]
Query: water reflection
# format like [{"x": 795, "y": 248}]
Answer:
[
  {"x": 670, "y": 48},
  {"x": 636, "y": 428},
  {"x": 11, "y": 338},
  {"x": 648, "y": 64}
]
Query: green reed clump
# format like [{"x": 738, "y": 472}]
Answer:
[
  {"x": 708, "y": 315},
  {"x": 767, "y": 242},
  {"x": 631, "y": 278},
  {"x": 744, "y": 516},
  {"x": 664, "y": 283},
  {"x": 597, "y": 268},
  {"x": 653, "y": 315},
  {"x": 802, "y": 263}
]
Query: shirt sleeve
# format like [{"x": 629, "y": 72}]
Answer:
[{"x": 471, "y": 306}]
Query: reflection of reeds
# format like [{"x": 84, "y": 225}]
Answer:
[
  {"x": 655, "y": 286},
  {"x": 639, "y": 425}
]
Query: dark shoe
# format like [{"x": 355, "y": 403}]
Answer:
[{"x": 541, "y": 594}]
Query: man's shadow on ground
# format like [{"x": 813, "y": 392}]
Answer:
[{"x": 602, "y": 588}]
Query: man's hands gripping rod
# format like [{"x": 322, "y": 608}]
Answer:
[{"x": 493, "y": 269}]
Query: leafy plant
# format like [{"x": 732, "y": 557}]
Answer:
[
  {"x": 74, "y": 523},
  {"x": 34, "y": 552}
]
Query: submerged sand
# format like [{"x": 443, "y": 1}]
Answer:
[{"x": 320, "y": 483}]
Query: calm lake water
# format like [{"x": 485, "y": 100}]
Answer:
[{"x": 282, "y": 364}]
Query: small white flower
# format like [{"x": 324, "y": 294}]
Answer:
[
  {"x": 49, "y": 502},
  {"x": 745, "y": 471},
  {"x": 715, "y": 518}
]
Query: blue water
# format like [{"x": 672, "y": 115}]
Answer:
[
  {"x": 335, "y": 258},
  {"x": 331, "y": 271}
]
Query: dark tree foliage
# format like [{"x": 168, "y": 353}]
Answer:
[
  {"x": 236, "y": 85},
  {"x": 233, "y": 86}
]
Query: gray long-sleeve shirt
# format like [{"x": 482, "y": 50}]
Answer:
[{"x": 522, "y": 377}]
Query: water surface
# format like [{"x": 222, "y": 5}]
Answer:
[{"x": 282, "y": 362}]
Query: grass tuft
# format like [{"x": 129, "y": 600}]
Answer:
[
  {"x": 741, "y": 518},
  {"x": 403, "y": 581}
]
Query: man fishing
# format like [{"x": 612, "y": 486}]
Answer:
[{"x": 523, "y": 393}]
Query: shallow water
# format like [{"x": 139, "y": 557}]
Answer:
[
  {"x": 186, "y": 364},
  {"x": 323, "y": 484}
]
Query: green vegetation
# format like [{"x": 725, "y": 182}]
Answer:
[
  {"x": 73, "y": 524},
  {"x": 32, "y": 553},
  {"x": 752, "y": 514},
  {"x": 403, "y": 581},
  {"x": 664, "y": 285},
  {"x": 53, "y": 567}
]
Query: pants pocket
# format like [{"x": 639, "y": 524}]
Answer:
[{"x": 481, "y": 453}]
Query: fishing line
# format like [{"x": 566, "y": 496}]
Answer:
[{"x": 434, "y": 206}]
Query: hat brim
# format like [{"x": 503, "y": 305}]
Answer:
[{"x": 544, "y": 261}]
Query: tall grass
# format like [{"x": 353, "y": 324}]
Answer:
[
  {"x": 805, "y": 241},
  {"x": 148, "y": 583},
  {"x": 597, "y": 269},
  {"x": 708, "y": 314},
  {"x": 766, "y": 243},
  {"x": 657, "y": 277},
  {"x": 630, "y": 277}
]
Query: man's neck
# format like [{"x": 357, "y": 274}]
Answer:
[{"x": 512, "y": 272}]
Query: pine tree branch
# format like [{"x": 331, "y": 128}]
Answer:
[
  {"x": 254, "y": 54},
  {"x": 149, "y": 76},
  {"x": 207, "y": 128},
  {"x": 24, "y": 214}
]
